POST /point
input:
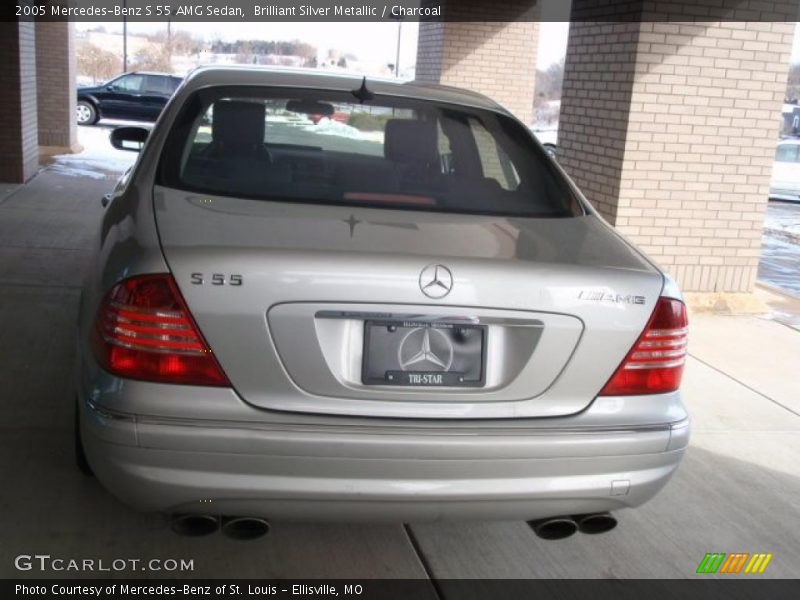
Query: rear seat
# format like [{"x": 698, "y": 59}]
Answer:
[
  {"x": 237, "y": 151},
  {"x": 412, "y": 146}
]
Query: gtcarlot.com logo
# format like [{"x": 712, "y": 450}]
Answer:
[
  {"x": 734, "y": 563},
  {"x": 46, "y": 562}
]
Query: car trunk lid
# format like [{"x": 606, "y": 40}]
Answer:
[{"x": 282, "y": 292}]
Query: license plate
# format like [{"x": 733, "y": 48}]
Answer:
[{"x": 407, "y": 353}]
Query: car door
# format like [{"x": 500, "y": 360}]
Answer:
[
  {"x": 104, "y": 95},
  {"x": 157, "y": 90},
  {"x": 122, "y": 99}
]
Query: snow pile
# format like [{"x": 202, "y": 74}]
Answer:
[
  {"x": 331, "y": 127},
  {"x": 779, "y": 263},
  {"x": 98, "y": 159},
  {"x": 783, "y": 220}
]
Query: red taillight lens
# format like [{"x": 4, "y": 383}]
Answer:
[
  {"x": 655, "y": 363},
  {"x": 144, "y": 330}
]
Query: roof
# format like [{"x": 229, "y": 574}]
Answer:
[
  {"x": 154, "y": 73},
  {"x": 310, "y": 78}
]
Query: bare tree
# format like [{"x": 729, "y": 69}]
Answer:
[
  {"x": 548, "y": 89},
  {"x": 548, "y": 84},
  {"x": 153, "y": 57},
  {"x": 246, "y": 54},
  {"x": 97, "y": 63},
  {"x": 304, "y": 50},
  {"x": 793, "y": 83},
  {"x": 180, "y": 42},
  {"x": 184, "y": 42}
]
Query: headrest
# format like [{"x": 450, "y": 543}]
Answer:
[
  {"x": 410, "y": 141},
  {"x": 237, "y": 122}
]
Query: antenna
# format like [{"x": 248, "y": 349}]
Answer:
[{"x": 363, "y": 93}]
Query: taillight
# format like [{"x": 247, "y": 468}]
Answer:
[
  {"x": 655, "y": 363},
  {"x": 144, "y": 330}
]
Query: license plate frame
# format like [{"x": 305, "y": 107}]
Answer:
[{"x": 439, "y": 335}]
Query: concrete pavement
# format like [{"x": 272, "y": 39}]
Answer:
[{"x": 737, "y": 491}]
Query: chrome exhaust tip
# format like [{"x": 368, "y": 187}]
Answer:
[
  {"x": 595, "y": 523},
  {"x": 245, "y": 528},
  {"x": 194, "y": 525},
  {"x": 555, "y": 528}
]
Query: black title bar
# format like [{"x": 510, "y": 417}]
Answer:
[
  {"x": 396, "y": 589},
  {"x": 333, "y": 11}
]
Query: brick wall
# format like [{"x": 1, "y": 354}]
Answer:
[
  {"x": 497, "y": 59},
  {"x": 429, "y": 51},
  {"x": 595, "y": 104},
  {"x": 673, "y": 137},
  {"x": 19, "y": 147},
  {"x": 55, "y": 72}
]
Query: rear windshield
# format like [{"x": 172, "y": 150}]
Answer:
[{"x": 328, "y": 147}]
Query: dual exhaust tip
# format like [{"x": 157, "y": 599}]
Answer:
[
  {"x": 251, "y": 528},
  {"x": 558, "y": 528},
  {"x": 236, "y": 528}
]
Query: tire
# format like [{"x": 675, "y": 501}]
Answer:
[
  {"x": 85, "y": 113},
  {"x": 80, "y": 456}
]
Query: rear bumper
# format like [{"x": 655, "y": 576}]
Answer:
[{"x": 334, "y": 472}]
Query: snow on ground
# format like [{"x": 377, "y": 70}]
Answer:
[
  {"x": 331, "y": 127},
  {"x": 546, "y": 130},
  {"x": 783, "y": 219},
  {"x": 780, "y": 263},
  {"x": 98, "y": 159},
  {"x": 780, "y": 246},
  {"x": 546, "y": 136}
]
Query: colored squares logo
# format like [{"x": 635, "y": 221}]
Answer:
[{"x": 734, "y": 563}]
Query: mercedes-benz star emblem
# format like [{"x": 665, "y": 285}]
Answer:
[
  {"x": 436, "y": 281},
  {"x": 425, "y": 349}
]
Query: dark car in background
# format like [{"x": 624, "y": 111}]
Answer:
[{"x": 136, "y": 96}]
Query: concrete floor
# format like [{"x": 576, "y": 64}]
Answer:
[{"x": 737, "y": 491}]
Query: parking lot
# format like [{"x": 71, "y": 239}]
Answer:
[
  {"x": 780, "y": 250},
  {"x": 736, "y": 491}
]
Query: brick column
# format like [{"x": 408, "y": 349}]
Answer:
[
  {"x": 19, "y": 149},
  {"x": 55, "y": 75},
  {"x": 670, "y": 128},
  {"x": 494, "y": 58}
]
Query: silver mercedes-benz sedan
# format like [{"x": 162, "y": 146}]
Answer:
[{"x": 319, "y": 297}]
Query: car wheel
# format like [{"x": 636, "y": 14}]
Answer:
[
  {"x": 86, "y": 113},
  {"x": 80, "y": 455}
]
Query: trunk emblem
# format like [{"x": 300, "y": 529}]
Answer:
[{"x": 436, "y": 281}]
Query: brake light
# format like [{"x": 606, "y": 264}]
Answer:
[
  {"x": 144, "y": 330},
  {"x": 655, "y": 363}
]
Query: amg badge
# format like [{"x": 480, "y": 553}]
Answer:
[{"x": 594, "y": 296}]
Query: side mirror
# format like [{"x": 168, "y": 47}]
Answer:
[
  {"x": 129, "y": 138},
  {"x": 110, "y": 88}
]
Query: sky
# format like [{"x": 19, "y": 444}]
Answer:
[{"x": 374, "y": 41}]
